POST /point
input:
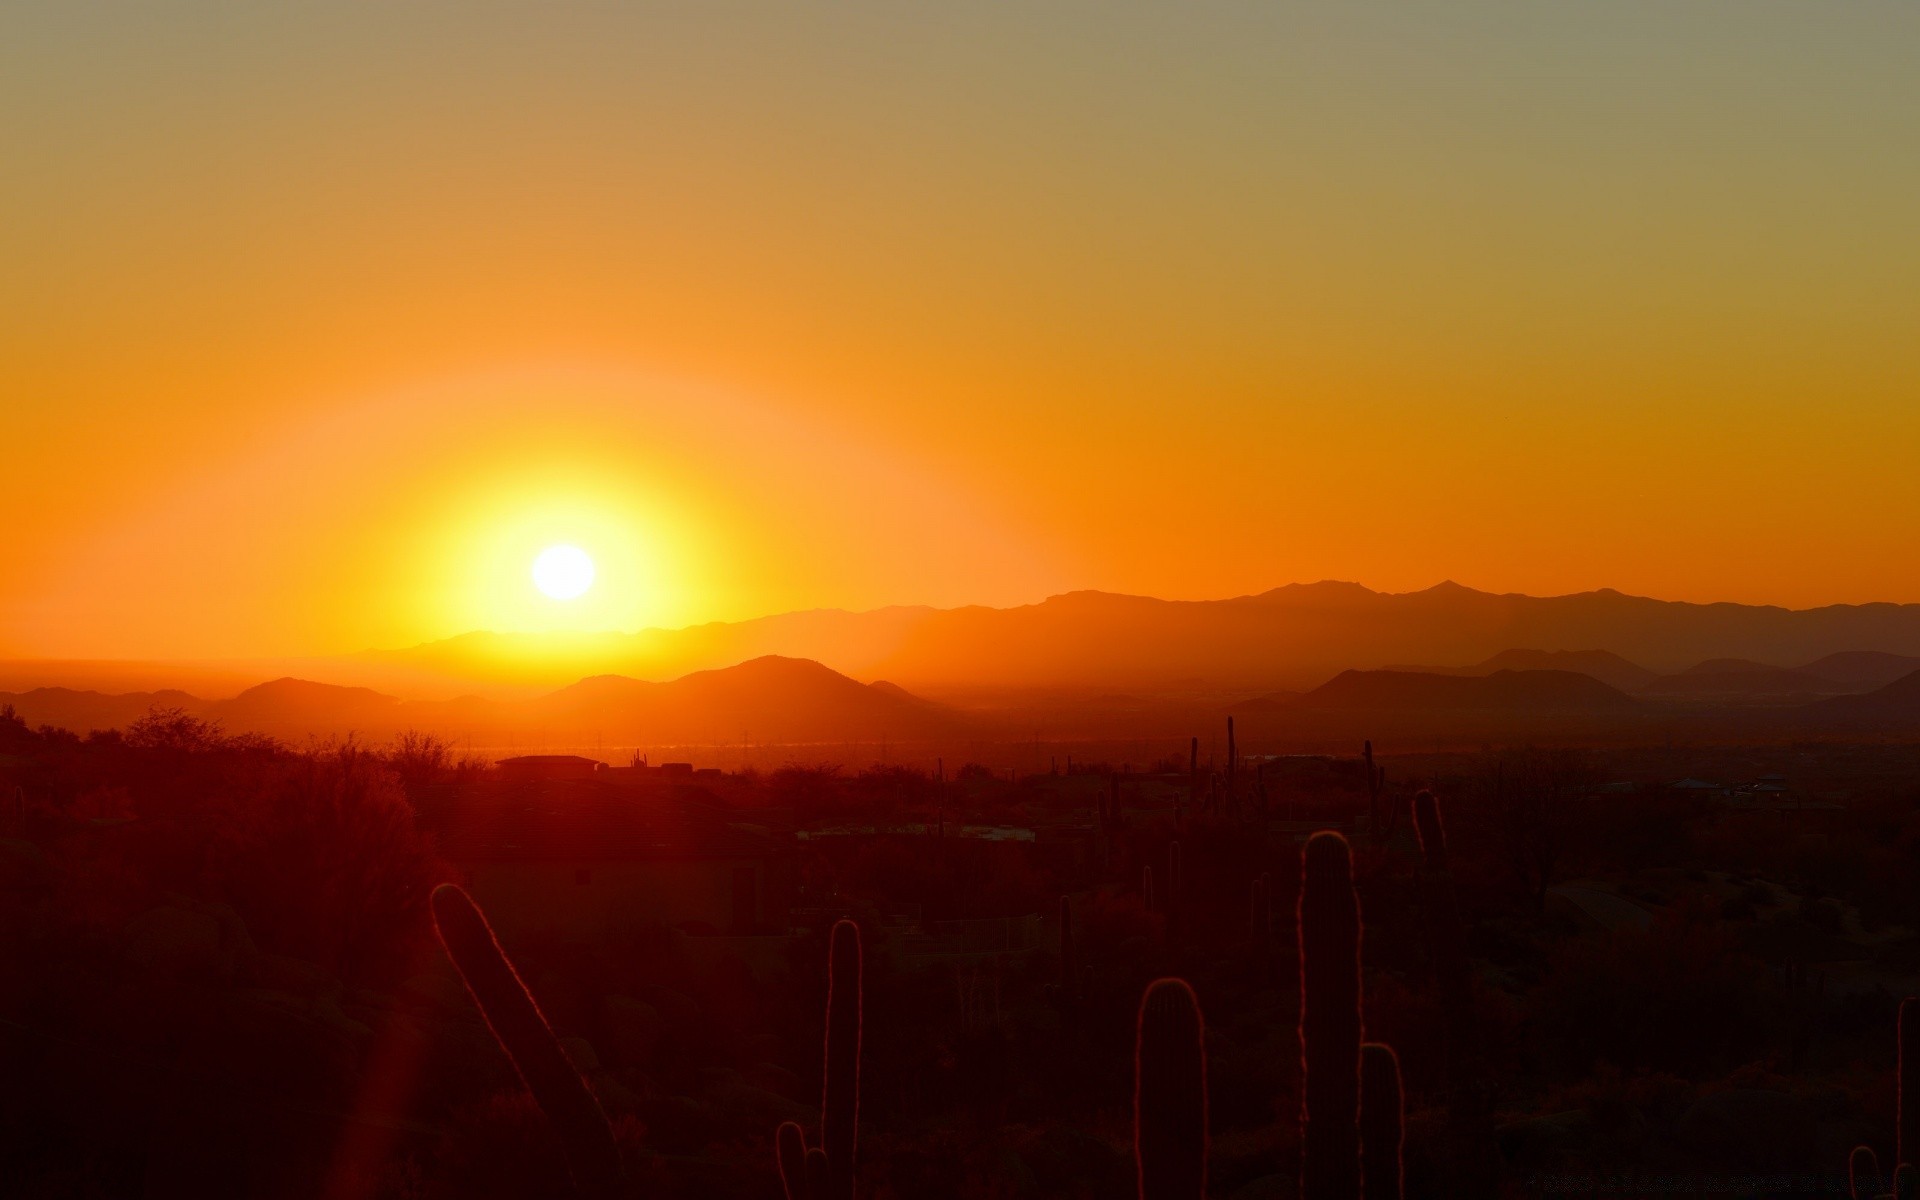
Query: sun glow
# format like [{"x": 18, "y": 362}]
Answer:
[{"x": 563, "y": 572}]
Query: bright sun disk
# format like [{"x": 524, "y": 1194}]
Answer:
[{"x": 563, "y": 572}]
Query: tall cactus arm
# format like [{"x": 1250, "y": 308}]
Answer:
[
  {"x": 1170, "y": 1094},
  {"x": 1433, "y": 836},
  {"x": 516, "y": 1021},
  {"x": 840, "y": 1098},
  {"x": 790, "y": 1151},
  {"x": 1381, "y": 1118},
  {"x": 1329, "y": 916},
  {"x": 1907, "y": 1115}
]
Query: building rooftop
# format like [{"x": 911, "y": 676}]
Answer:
[{"x": 550, "y": 760}]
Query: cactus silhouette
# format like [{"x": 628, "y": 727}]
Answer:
[
  {"x": 516, "y": 1022},
  {"x": 1381, "y": 1108},
  {"x": 790, "y": 1152},
  {"x": 1864, "y": 1181},
  {"x": 1329, "y": 916},
  {"x": 1067, "y": 971},
  {"x": 1863, "y": 1167},
  {"x": 1469, "y": 1111},
  {"x": 1071, "y": 987},
  {"x": 1351, "y": 1098},
  {"x": 1376, "y": 782},
  {"x": 1373, "y": 793},
  {"x": 1907, "y": 1113},
  {"x": 1433, "y": 836},
  {"x": 1233, "y": 756},
  {"x": 1170, "y": 1094},
  {"x": 826, "y": 1171},
  {"x": 1443, "y": 916},
  {"x": 1444, "y": 931}
]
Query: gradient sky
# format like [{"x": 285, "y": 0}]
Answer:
[{"x": 318, "y": 320}]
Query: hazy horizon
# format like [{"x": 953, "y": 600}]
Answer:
[{"x": 586, "y": 636}]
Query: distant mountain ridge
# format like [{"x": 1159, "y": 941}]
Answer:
[
  {"x": 1864, "y": 668},
  {"x": 1295, "y": 637},
  {"x": 81, "y": 710},
  {"x": 769, "y": 699},
  {"x": 1515, "y": 692},
  {"x": 1095, "y": 662},
  {"x": 1730, "y": 678},
  {"x": 1607, "y": 667},
  {"x": 1897, "y": 702},
  {"x": 1288, "y": 638}
]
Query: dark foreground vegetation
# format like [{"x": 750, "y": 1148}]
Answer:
[{"x": 1635, "y": 973}]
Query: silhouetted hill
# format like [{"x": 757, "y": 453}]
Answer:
[
  {"x": 1517, "y": 692},
  {"x": 288, "y": 707},
  {"x": 1734, "y": 680},
  {"x": 847, "y": 641},
  {"x": 1899, "y": 700},
  {"x": 769, "y": 699},
  {"x": 885, "y": 688},
  {"x": 1290, "y": 637},
  {"x": 81, "y": 711},
  {"x": 1863, "y": 669},
  {"x": 1609, "y": 668},
  {"x": 1604, "y": 665}
]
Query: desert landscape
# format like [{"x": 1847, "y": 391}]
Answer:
[{"x": 1251, "y": 600}]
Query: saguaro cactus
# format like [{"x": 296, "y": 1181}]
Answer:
[
  {"x": 1376, "y": 782},
  {"x": 1066, "y": 942},
  {"x": 517, "y": 1023},
  {"x": 1907, "y": 1114},
  {"x": 1170, "y": 1094},
  {"x": 1071, "y": 980},
  {"x": 1381, "y": 1109},
  {"x": 1329, "y": 916},
  {"x": 1445, "y": 935},
  {"x": 826, "y": 1171},
  {"x": 1469, "y": 1110},
  {"x": 1233, "y": 757},
  {"x": 1864, "y": 1181},
  {"x": 1433, "y": 837}
]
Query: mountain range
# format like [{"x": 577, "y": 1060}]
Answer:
[
  {"x": 1300, "y": 658},
  {"x": 773, "y": 701},
  {"x": 770, "y": 699},
  {"x": 1293, "y": 637}
]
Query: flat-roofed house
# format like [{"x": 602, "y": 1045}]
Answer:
[{"x": 529, "y": 767}]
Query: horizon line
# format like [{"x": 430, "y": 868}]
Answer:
[{"x": 1445, "y": 585}]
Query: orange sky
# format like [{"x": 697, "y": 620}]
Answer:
[{"x": 317, "y": 321}]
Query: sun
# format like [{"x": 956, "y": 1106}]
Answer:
[{"x": 563, "y": 572}]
